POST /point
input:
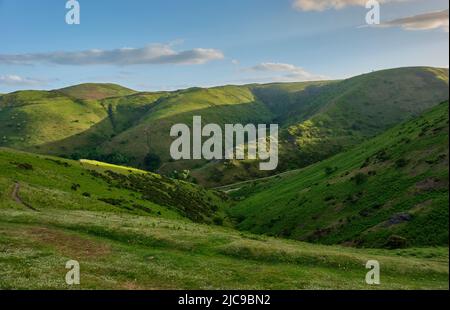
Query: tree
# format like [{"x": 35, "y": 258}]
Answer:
[{"x": 152, "y": 162}]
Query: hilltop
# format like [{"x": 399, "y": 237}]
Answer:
[{"x": 96, "y": 91}]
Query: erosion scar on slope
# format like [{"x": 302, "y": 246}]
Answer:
[{"x": 16, "y": 198}]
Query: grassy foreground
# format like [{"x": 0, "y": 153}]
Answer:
[
  {"x": 124, "y": 251},
  {"x": 54, "y": 210}
]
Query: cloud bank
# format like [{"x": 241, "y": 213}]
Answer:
[
  {"x": 427, "y": 21},
  {"x": 156, "y": 54},
  {"x": 15, "y": 80},
  {"x": 322, "y": 5},
  {"x": 282, "y": 72}
]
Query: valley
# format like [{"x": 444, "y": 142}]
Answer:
[{"x": 86, "y": 174}]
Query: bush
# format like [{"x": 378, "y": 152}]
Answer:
[
  {"x": 330, "y": 170},
  {"x": 360, "y": 178},
  {"x": 401, "y": 163},
  {"x": 152, "y": 162},
  {"x": 396, "y": 242},
  {"x": 218, "y": 220}
]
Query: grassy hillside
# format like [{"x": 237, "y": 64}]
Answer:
[
  {"x": 30, "y": 119},
  {"x": 391, "y": 191},
  {"x": 110, "y": 123},
  {"x": 54, "y": 210},
  {"x": 96, "y": 91},
  {"x": 321, "y": 119},
  {"x": 343, "y": 114},
  {"x": 88, "y": 185}
]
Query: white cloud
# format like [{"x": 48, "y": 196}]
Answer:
[
  {"x": 15, "y": 80},
  {"x": 282, "y": 72},
  {"x": 152, "y": 55},
  {"x": 322, "y": 5},
  {"x": 426, "y": 21}
]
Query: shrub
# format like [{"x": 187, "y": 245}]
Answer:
[
  {"x": 330, "y": 170},
  {"x": 152, "y": 162},
  {"x": 396, "y": 242},
  {"x": 401, "y": 163},
  {"x": 218, "y": 220},
  {"x": 360, "y": 178}
]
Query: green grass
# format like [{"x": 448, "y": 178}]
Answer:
[
  {"x": 123, "y": 251},
  {"x": 49, "y": 181},
  {"x": 391, "y": 191}
]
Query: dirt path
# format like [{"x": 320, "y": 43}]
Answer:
[
  {"x": 235, "y": 186},
  {"x": 16, "y": 198}
]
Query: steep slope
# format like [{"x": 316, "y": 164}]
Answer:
[
  {"x": 220, "y": 105},
  {"x": 343, "y": 114},
  {"x": 54, "y": 183},
  {"x": 121, "y": 114},
  {"x": 321, "y": 119},
  {"x": 391, "y": 191}
]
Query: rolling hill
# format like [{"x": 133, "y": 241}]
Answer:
[
  {"x": 318, "y": 119},
  {"x": 53, "y": 210},
  {"x": 391, "y": 191}
]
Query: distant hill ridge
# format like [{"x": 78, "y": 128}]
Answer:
[{"x": 318, "y": 119}]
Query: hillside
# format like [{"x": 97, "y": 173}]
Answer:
[
  {"x": 50, "y": 182},
  {"x": 54, "y": 210},
  {"x": 318, "y": 119},
  {"x": 31, "y": 119},
  {"x": 391, "y": 191},
  {"x": 348, "y": 112},
  {"x": 96, "y": 91}
]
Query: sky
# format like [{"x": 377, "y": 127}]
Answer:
[{"x": 172, "y": 44}]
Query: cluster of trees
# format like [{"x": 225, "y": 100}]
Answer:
[{"x": 113, "y": 158}]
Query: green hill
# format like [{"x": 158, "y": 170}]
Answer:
[
  {"x": 110, "y": 123},
  {"x": 88, "y": 185},
  {"x": 96, "y": 91},
  {"x": 30, "y": 119},
  {"x": 391, "y": 191},
  {"x": 321, "y": 119},
  {"x": 350, "y": 111},
  {"x": 110, "y": 219}
]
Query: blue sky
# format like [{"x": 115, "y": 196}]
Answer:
[{"x": 171, "y": 44}]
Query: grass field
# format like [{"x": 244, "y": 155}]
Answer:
[{"x": 123, "y": 251}]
